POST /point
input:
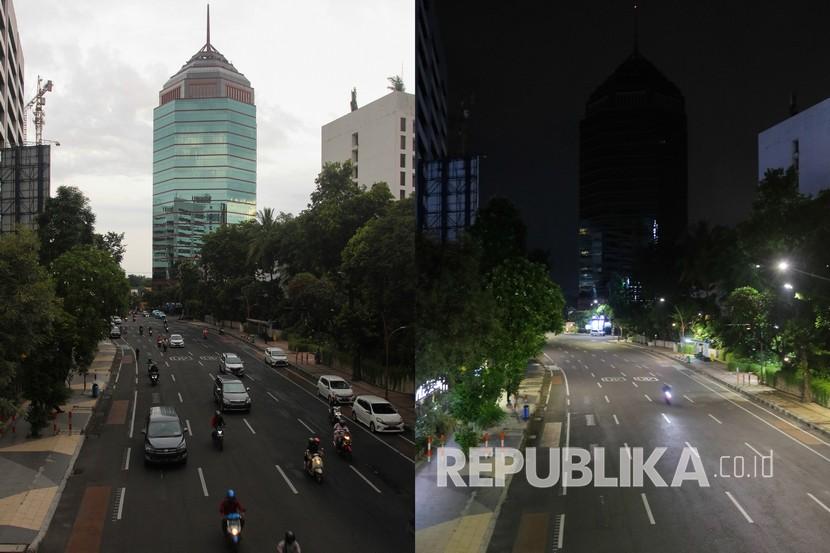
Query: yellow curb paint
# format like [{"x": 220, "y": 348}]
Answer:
[
  {"x": 469, "y": 534},
  {"x": 60, "y": 444}
]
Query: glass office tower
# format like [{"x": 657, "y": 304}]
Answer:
[{"x": 204, "y": 157}]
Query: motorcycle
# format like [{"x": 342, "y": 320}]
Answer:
[
  {"x": 154, "y": 378},
  {"x": 204, "y": 334},
  {"x": 233, "y": 528},
  {"x": 314, "y": 467},
  {"x": 667, "y": 396},
  {"x": 150, "y": 330},
  {"x": 334, "y": 415},
  {"x": 344, "y": 446},
  {"x": 218, "y": 436}
]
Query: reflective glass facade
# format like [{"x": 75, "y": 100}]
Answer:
[{"x": 204, "y": 174}]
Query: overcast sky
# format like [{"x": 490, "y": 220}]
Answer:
[{"x": 108, "y": 61}]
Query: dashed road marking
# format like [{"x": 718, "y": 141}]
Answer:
[
  {"x": 648, "y": 398},
  {"x": 287, "y": 481},
  {"x": 307, "y": 426},
  {"x": 648, "y": 509},
  {"x": 202, "y": 479},
  {"x": 187, "y": 424},
  {"x": 607, "y": 400},
  {"x": 688, "y": 398},
  {"x": 693, "y": 449},
  {"x": 272, "y": 396},
  {"x": 741, "y": 509},
  {"x": 249, "y": 426},
  {"x": 823, "y": 506},
  {"x": 181, "y": 400},
  {"x": 364, "y": 478},
  {"x": 173, "y": 376},
  {"x": 127, "y": 459},
  {"x": 715, "y": 419},
  {"x": 635, "y": 384},
  {"x": 616, "y": 420},
  {"x": 599, "y": 384},
  {"x": 665, "y": 417}
]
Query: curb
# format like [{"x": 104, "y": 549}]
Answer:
[
  {"x": 47, "y": 521},
  {"x": 752, "y": 397}
]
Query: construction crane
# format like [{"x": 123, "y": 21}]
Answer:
[{"x": 39, "y": 115}]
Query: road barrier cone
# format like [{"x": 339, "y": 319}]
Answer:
[
  {"x": 429, "y": 449},
  {"x": 501, "y": 438},
  {"x": 69, "y": 416}
]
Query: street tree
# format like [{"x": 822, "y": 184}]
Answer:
[{"x": 67, "y": 221}]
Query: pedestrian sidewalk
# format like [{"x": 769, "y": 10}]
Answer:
[
  {"x": 304, "y": 361},
  {"x": 811, "y": 415},
  {"x": 461, "y": 520},
  {"x": 33, "y": 471}
]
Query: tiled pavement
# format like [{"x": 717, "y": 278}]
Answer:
[{"x": 32, "y": 471}]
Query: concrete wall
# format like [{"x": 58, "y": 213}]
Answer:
[{"x": 379, "y": 142}]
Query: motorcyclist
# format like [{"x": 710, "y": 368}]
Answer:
[
  {"x": 141, "y": 329},
  {"x": 289, "y": 544},
  {"x": 204, "y": 333},
  {"x": 154, "y": 369},
  {"x": 164, "y": 344},
  {"x": 340, "y": 430},
  {"x": 334, "y": 413},
  {"x": 312, "y": 448},
  {"x": 217, "y": 420},
  {"x": 666, "y": 388},
  {"x": 229, "y": 506},
  {"x": 150, "y": 330}
]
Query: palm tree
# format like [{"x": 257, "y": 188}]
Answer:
[{"x": 261, "y": 250}]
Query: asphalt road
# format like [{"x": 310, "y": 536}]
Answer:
[
  {"x": 115, "y": 503},
  {"x": 610, "y": 395}
]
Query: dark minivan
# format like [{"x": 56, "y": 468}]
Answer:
[{"x": 164, "y": 440}]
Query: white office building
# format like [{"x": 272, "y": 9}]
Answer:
[
  {"x": 379, "y": 139},
  {"x": 802, "y": 141}
]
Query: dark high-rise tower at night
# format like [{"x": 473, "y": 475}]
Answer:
[{"x": 632, "y": 173}]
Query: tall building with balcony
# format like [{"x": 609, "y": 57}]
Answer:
[
  {"x": 11, "y": 73},
  {"x": 632, "y": 173},
  {"x": 379, "y": 140},
  {"x": 204, "y": 157}
]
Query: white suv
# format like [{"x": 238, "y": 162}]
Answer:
[
  {"x": 377, "y": 413},
  {"x": 329, "y": 385}
]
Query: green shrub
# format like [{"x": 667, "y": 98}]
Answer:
[
  {"x": 467, "y": 437},
  {"x": 821, "y": 391}
]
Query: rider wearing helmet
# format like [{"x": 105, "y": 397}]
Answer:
[
  {"x": 312, "y": 448},
  {"x": 217, "y": 421},
  {"x": 231, "y": 505},
  {"x": 340, "y": 430},
  {"x": 289, "y": 544}
]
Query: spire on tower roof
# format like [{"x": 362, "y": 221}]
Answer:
[
  {"x": 208, "y": 24},
  {"x": 636, "y": 30}
]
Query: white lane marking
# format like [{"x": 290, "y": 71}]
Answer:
[
  {"x": 607, "y": 400},
  {"x": 741, "y": 509},
  {"x": 406, "y": 439},
  {"x": 127, "y": 459},
  {"x": 121, "y": 503},
  {"x": 635, "y": 384},
  {"x": 823, "y": 506},
  {"x": 187, "y": 424},
  {"x": 357, "y": 472},
  {"x": 648, "y": 398},
  {"x": 307, "y": 426},
  {"x": 599, "y": 384},
  {"x": 132, "y": 420},
  {"x": 567, "y": 389},
  {"x": 648, "y": 509},
  {"x": 166, "y": 363},
  {"x": 287, "y": 481},
  {"x": 652, "y": 374},
  {"x": 272, "y": 396},
  {"x": 173, "y": 376},
  {"x": 202, "y": 478},
  {"x": 796, "y": 440},
  {"x": 250, "y": 376},
  {"x": 613, "y": 367},
  {"x": 593, "y": 375},
  {"x": 568, "y": 400},
  {"x": 366, "y": 430},
  {"x": 622, "y": 373},
  {"x": 688, "y": 398},
  {"x": 616, "y": 420},
  {"x": 693, "y": 449},
  {"x": 561, "y": 533},
  {"x": 180, "y": 397},
  {"x": 211, "y": 376},
  {"x": 200, "y": 363},
  {"x": 715, "y": 419},
  {"x": 758, "y": 453},
  {"x": 567, "y": 445},
  {"x": 249, "y": 425},
  {"x": 665, "y": 417}
]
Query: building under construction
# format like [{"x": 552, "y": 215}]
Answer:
[{"x": 24, "y": 186}]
